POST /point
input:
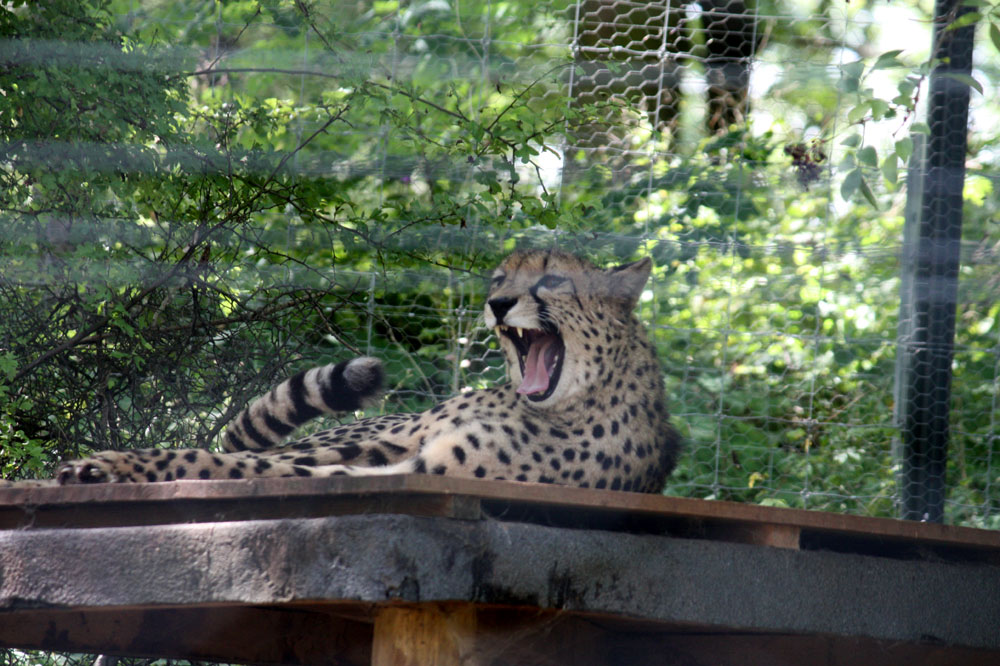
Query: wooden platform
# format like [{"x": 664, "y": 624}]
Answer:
[{"x": 423, "y": 570}]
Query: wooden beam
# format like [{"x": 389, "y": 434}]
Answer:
[
  {"x": 241, "y": 634},
  {"x": 428, "y": 495},
  {"x": 417, "y": 635}
]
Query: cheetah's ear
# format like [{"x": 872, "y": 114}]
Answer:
[{"x": 625, "y": 282}]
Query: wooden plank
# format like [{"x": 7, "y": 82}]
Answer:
[
  {"x": 22, "y": 506},
  {"x": 241, "y": 634},
  {"x": 739, "y": 649},
  {"x": 418, "y": 635},
  {"x": 532, "y": 638},
  {"x": 343, "y": 635},
  {"x": 123, "y": 513}
]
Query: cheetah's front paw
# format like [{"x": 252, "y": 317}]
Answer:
[{"x": 91, "y": 470}]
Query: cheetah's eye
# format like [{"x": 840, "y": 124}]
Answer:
[
  {"x": 497, "y": 280},
  {"x": 551, "y": 281}
]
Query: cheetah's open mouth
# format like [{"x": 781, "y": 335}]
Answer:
[{"x": 540, "y": 354}]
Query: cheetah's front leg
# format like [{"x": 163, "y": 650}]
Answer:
[
  {"x": 149, "y": 465},
  {"x": 106, "y": 467}
]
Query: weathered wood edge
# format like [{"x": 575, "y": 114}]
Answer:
[{"x": 613, "y": 502}]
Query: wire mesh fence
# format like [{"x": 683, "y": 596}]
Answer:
[{"x": 733, "y": 142}]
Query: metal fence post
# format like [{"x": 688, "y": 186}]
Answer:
[{"x": 932, "y": 256}]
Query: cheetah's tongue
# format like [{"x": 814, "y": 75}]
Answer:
[{"x": 541, "y": 356}]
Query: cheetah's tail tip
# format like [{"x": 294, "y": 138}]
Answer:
[{"x": 364, "y": 376}]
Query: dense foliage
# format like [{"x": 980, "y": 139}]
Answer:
[{"x": 199, "y": 198}]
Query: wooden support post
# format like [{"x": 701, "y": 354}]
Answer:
[
  {"x": 775, "y": 535},
  {"x": 780, "y": 536},
  {"x": 423, "y": 635}
]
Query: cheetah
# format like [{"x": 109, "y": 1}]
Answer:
[{"x": 584, "y": 406}]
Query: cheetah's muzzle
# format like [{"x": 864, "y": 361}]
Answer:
[{"x": 540, "y": 355}]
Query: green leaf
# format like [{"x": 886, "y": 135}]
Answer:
[
  {"x": 879, "y": 108},
  {"x": 8, "y": 365},
  {"x": 848, "y": 161},
  {"x": 868, "y": 194},
  {"x": 964, "y": 78},
  {"x": 964, "y": 20},
  {"x": 890, "y": 168},
  {"x": 850, "y": 185},
  {"x": 904, "y": 148},
  {"x": 888, "y": 59},
  {"x": 851, "y": 78},
  {"x": 852, "y": 141},
  {"x": 858, "y": 112},
  {"x": 868, "y": 156},
  {"x": 995, "y": 36}
]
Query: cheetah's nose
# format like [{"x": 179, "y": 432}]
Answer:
[{"x": 501, "y": 306}]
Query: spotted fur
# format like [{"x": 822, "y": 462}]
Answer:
[{"x": 584, "y": 406}]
